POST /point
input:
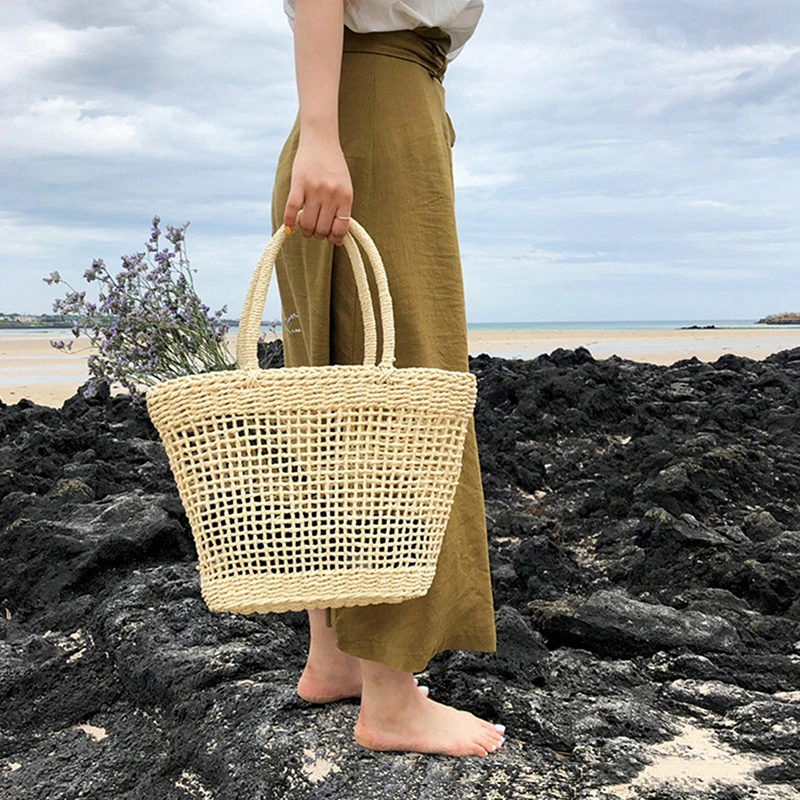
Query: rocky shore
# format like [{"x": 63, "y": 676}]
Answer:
[
  {"x": 644, "y": 533},
  {"x": 784, "y": 318}
]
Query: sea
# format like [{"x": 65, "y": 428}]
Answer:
[
  {"x": 618, "y": 325},
  {"x": 565, "y": 325}
]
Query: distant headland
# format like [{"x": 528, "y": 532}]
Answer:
[
  {"x": 66, "y": 321},
  {"x": 36, "y": 321},
  {"x": 785, "y": 318}
]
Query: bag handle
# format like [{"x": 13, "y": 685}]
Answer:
[{"x": 253, "y": 310}]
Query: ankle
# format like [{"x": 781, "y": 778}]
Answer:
[
  {"x": 387, "y": 693},
  {"x": 328, "y": 661},
  {"x": 386, "y": 710}
]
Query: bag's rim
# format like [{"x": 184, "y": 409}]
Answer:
[{"x": 368, "y": 374}]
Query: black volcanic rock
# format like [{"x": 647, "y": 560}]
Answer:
[
  {"x": 610, "y": 623},
  {"x": 644, "y": 542}
]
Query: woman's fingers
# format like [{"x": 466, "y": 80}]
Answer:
[
  {"x": 327, "y": 225},
  {"x": 320, "y": 220},
  {"x": 332, "y": 200}
]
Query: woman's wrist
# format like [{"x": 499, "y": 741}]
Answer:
[{"x": 319, "y": 127}]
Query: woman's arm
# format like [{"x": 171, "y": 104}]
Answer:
[{"x": 321, "y": 182}]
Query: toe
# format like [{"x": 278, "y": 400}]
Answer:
[
  {"x": 485, "y": 724},
  {"x": 494, "y": 730}
]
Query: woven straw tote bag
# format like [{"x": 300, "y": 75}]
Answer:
[{"x": 314, "y": 487}]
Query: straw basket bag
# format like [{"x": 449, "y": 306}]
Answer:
[{"x": 313, "y": 487}]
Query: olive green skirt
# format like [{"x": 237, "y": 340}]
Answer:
[{"x": 397, "y": 140}]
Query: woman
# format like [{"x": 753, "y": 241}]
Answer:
[{"x": 372, "y": 139}]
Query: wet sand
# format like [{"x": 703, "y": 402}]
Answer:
[{"x": 31, "y": 368}]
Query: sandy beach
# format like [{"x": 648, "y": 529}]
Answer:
[{"x": 31, "y": 368}]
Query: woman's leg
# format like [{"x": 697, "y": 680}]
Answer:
[{"x": 329, "y": 673}]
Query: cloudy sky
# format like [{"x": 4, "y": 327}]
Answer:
[{"x": 615, "y": 159}]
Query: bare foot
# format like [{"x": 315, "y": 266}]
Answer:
[
  {"x": 422, "y": 725},
  {"x": 316, "y": 686}
]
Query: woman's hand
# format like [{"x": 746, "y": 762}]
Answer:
[{"x": 321, "y": 187}]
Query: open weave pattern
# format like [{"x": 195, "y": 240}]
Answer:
[{"x": 315, "y": 487}]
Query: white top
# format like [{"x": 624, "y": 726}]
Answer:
[{"x": 459, "y": 18}]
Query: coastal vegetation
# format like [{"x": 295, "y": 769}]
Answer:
[{"x": 147, "y": 323}]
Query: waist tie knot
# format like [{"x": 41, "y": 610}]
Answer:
[{"x": 425, "y": 46}]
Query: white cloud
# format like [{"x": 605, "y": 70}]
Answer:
[
  {"x": 611, "y": 159},
  {"x": 60, "y": 125}
]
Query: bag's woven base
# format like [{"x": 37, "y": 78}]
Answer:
[
  {"x": 239, "y": 594},
  {"x": 315, "y": 487}
]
